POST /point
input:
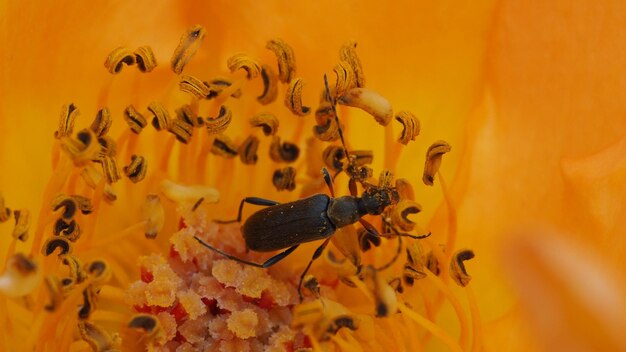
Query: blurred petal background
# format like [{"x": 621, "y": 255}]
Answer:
[{"x": 532, "y": 97}]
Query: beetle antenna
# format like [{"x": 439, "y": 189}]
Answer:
[{"x": 332, "y": 105}]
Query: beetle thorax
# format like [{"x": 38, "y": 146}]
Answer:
[{"x": 344, "y": 211}]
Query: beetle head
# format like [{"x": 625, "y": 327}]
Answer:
[{"x": 376, "y": 199}]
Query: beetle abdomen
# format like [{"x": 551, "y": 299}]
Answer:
[{"x": 284, "y": 225}]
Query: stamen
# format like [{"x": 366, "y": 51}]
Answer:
[
  {"x": 433, "y": 160},
  {"x": 69, "y": 230},
  {"x": 222, "y": 146},
  {"x": 109, "y": 169},
  {"x": 69, "y": 205},
  {"x": 327, "y": 131},
  {"x": 218, "y": 85},
  {"x": 187, "y": 114},
  {"x": 248, "y": 150},
  {"x": 22, "y": 224},
  {"x": 154, "y": 215},
  {"x": 285, "y": 152},
  {"x": 96, "y": 337},
  {"x": 187, "y": 46},
  {"x": 21, "y": 276},
  {"x": 347, "y": 53},
  {"x": 293, "y": 98},
  {"x": 54, "y": 243},
  {"x": 136, "y": 170},
  {"x": 286, "y": 59},
  {"x": 150, "y": 325},
  {"x": 88, "y": 303},
  {"x": 182, "y": 130},
  {"x": 346, "y": 79},
  {"x": 161, "y": 118},
  {"x": 385, "y": 296},
  {"x": 270, "y": 86},
  {"x": 101, "y": 124},
  {"x": 75, "y": 267},
  {"x": 268, "y": 123},
  {"x": 400, "y": 213},
  {"x": 410, "y": 127},
  {"x": 117, "y": 58},
  {"x": 414, "y": 268},
  {"x": 82, "y": 149},
  {"x": 69, "y": 113},
  {"x": 220, "y": 123},
  {"x": 245, "y": 62},
  {"x": 194, "y": 86},
  {"x": 284, "y": 179},
  {"x": 144, "y": 56},
  {"x": 109, "y": 148},
  {"x": 134, "y": 119},
  {"x": 99, "y": 271},
  {"x": 311, "y": 284},
  {"x": 5, "y": 213},
  {"x": 369, "y": 101},
  {"x": 457, "y": 267},
  {"x": 405, "y": 189},
  {"x": 333, "y": 157}
]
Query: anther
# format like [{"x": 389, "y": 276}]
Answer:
[
  {"x": 219, "y": 124},
  {"x": 68, "y": 204},
  {"x": 144, "y": 56},
  {"x": 400, "y": 213},
  {"x": 82, "y": 149},
  {"x": 5, "y": 213},
  {"x": 369, "y": 101},
  {"x": 414, "y": 267},
  {"x": 20, "y": 276},
  {"x": 346, "y": 79},
  {"x": 268, "y": 123},
  {"x": 327, "y": 129},
  {"x": 311, "y": 284},
  {"x": 187, "y": 114},
  {"x": 68, "y": 229},
  {"x": 117, "y": 58},
  {"x": 182, "y": 130},
  {"x": 217, "y": 85},
  {"x": 432, "y": 264},
  {"x": 194, "y": 86},
  {"x": 457, "y": 267},
  {"x": 293, "y": 98},
  {"x": 88, "y": 303},
  {"x": 99, "y": 269},
  {"x": 333, "y": 157},
  {"x": 248, "y": 150},
  {"x": 84, "y": 204},
  {"x": 284, "y": 179},
  {"x": 109, "y": 169},
  {"x": 145, "y": 322},
  {"x": 136, "y": 170},
  {"x": 187, "y": 46},
  {"x": 384, "y": 295},
  {"x": 270, "y": 86},
  {"x": 22, "y": 224},
  {"x": 161, "y": 118},
  {"x": 75, "y": 268},
  {"x": 68, "y": 116},
  {"x": 134, "y": 119},
  {"x": 154, "y": 215},
  {"x": 108, "y": 146},
  {"x": 405, "y": 189},
  {"x": 101, "y": 124},
  {"x": 286, "y": 59},
  {"x": 410, "y": 127},
  {"x": 224, "y": 147},
  {"x": 433, "y": 160},
  {"x": 285, "y": 152},
  {"x": 54, "y": 243},
  {"x": 244, "y": 61},
  {"x": 96, "y": 337},
  {"x": 348, "y": 54}
]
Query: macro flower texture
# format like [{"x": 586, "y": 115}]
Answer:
[{"x": 312, "y": 176}]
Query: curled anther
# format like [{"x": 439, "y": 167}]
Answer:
[
  {"x": 248, "y": 150},
  {"x": 268, "y": 123},
  {"x": 401, "y": 212},
  {"x": 433, "y": 161},
  {"x": 88, "y": 303},
  {"x": 187, "y": 46},
  {"x": 284, "y": 179},
  {"x": 22, "y": 224},
  {"x": 99, "y": 271},
  {"x": 405, "y": 189},
  {"x": 333, "y": 157},
  {"x": 101, "y": 124},
  {"x": 432, "y": 263},
  {"x": 68, "y": 229},
  {"x": 150, "y": 325},
  {"x": 82, "y": 149},
  {"x": 93, "y": 177},
  {"x": 326, "y": 129},
  {"x": 136, "y": 170},
  {"x": 84, "y": 204},
  {"x": 414, "y": 269},
  {"x": 348, "y": 54},
  {"x": 457, "y": 267},
  {"x": 410, "y": 126},
  {"x": 270, "y": 86},
  {"x": 69, "y": 205},
  {"x": 311, "y": 284},
  {"x": 117, "y": 58},
  {"x": 5, "y": 213},
  {"x": 293, "y": 98},
  {"x": 161, "y": 118},
  {"x": 96, "y": 337},
  {"x": 67, "y": 119},
  {"x": 224, "y": 147},
  {"x": 362, "y": 157},
  {"x": 181, "y": 129},
  {"x": 187, "y": 114},
  {"x": 217, "y": 85},
  {"x": 219, "y": 124},
  {"x": 20, "y": 277},
  {"x": 75, "y": 266},
  {"x": 109, "y": 170},
  {"x": 245, "y": 62},
  {"x": 145, "y": 59},
  {"x": 134, "y": 119},
  {"x": 346, "y": 79},
  {"x": 369, "y": 101},
  {"x": 54, "y": 243},
  {"x": 283, "y": 152},
  {"x": 194, "y": 86},
  {"x": 154, "y": 215},
  {"x": 286, "y": 59},
  {"x": 367, "y": 240},
  {"x": 108, "y": 146}
]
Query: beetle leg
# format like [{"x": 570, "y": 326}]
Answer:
[
  {"x": 352, "y": 187},
  {"x": 395, "y": 256},
  {"x": 316, "y": 255},
  {"x": 329, "y": 182},
  {"x": 250, "y": 200},
  {"x": 271, "y": 261},
  {"x": 369, "y": 227}
]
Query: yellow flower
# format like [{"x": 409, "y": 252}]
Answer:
[{"x": 523, "y": 105}]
